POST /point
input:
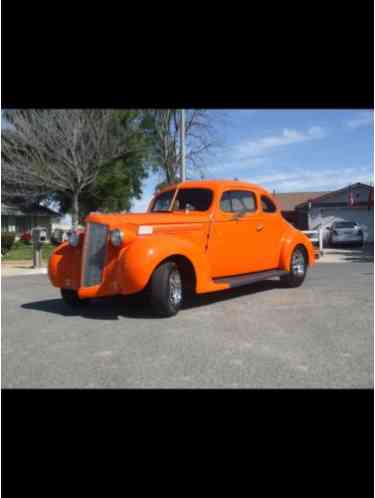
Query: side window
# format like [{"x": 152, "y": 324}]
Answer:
[
  {"x": 237, "y": 203},
  {"x": 225, "y": 203},
  {"x": 237, "y": 200},
  {"x": 267, "y": 205}
]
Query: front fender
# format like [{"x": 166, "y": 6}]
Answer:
[
  {"x": 64, "y": 266},
  {"x": 137, "y": 262},
  {"x": 291, "y": 240}
]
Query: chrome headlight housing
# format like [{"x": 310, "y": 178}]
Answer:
[
  {"x": 117, "y": 237},
  {"x": 73, "y": 238}
]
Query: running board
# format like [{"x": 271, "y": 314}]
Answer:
[{"x": 249, "y": 278}]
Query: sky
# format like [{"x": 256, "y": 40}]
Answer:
[{"x": 288, "y": 150}]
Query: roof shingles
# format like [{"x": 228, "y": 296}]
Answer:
[{"x": 289, "y": 200}]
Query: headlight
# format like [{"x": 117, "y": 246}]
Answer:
[
  {"x": 117, "y": 237},
  {"x": 73, "y": 238}
]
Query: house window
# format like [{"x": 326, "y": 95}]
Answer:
[{"x": 8, "y": 223}]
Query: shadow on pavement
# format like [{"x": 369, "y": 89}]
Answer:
[
  {"x": 358, "y": 255},
  {"x": 137, "y": 306},
  {"x": 360, "y": 259}
]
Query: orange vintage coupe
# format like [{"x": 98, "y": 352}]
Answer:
[{"x": 200, "y": 236}]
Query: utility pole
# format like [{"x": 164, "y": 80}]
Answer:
[{"x": 182, "y": 129}]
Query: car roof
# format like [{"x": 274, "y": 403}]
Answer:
[{"x": 214, "y": 185}]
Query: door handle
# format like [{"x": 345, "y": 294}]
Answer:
[{"x": 260, "y": 227}]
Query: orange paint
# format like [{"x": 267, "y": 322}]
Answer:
[{"x": 214, "y": 242}]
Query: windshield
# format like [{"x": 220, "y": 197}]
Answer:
[
  {"x": 345, "y": 224},
  {"x": 188, "y": 199},
  {"x": 163, "y": 201}
]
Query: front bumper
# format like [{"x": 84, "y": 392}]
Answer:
[{"x": 346, "y": 239}]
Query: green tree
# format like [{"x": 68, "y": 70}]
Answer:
[
  {"x": 84, "y": 159},
  {"x": 114, "y": 190}
]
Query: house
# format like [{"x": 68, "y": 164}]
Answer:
[
  {"x": 316, "y": 210},
  {"x": 287, "y": 203},
  {"x": 350, "y": 203},
  {"x": 23, "y": 217}
]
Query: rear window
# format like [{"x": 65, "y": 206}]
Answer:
[
  {"x": 345, "y": 224},
  {"x": 267, "y": 205}
]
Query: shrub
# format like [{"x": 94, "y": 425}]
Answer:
[{"x": 7, "y": 241}]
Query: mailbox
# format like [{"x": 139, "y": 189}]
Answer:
[{"x": 39, "y": 235}]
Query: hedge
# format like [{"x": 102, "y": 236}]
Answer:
[{"x": 7, "y": 241}]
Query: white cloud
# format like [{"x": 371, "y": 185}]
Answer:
[
  {"x": 234, "y": 164},
  {"x": 315, "y": 179},
  {"x": 316, "y": 132},
  {"x": 364, "y": 118},
  {"x": 254, "y": 153},
  {"x": 264, "y": 145},
  {"x": 291, "y": 180}
]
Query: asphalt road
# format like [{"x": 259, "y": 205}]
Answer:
[{"x": 262, "y": 336}]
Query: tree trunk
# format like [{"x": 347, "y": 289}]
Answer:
[{"x": 75, "y": 209}]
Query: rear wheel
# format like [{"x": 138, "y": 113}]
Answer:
[
  {"x": 298, "y": 268},
  {"x": 71, "y": 298},
  {"x": 166, "y": 289}
]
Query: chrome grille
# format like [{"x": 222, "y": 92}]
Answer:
[{"x": 94, "y": 253}]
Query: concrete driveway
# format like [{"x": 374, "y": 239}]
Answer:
[
  {"x": 348, "y": 254},
  {"x": 261, "y": 336}
]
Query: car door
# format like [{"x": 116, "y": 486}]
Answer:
[
  {"x": 231, "y": 247},
  {"x": 270, "y": 235}
]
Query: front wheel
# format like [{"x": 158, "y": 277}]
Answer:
[
  {"x": 70, "y": 297},
  {"x": 298, "y": 268},
  {"x": 166, "y": 289}
]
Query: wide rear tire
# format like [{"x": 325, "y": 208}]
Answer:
[
  {"x": 298, "y": 268},
  {"x": 166, "y": 290},
  {"x": 70, "y": 297}
]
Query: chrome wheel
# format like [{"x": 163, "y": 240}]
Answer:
[
  {"x": 298, "y": 263},
  {"x": 175, "y": 287}
]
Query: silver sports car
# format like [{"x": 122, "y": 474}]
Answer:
[{"x": 345, "y": 232}]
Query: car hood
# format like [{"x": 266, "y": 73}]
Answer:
[{"x": 135, "y": 219}]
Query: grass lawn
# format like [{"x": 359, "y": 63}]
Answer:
[{"x": 21, "y": 251}]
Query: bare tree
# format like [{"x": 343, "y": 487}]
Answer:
[
  {"x": 201, "y": 138},
  {"x": 63, "y": 151}
]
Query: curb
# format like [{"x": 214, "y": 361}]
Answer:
[{"x": 42, "y": 271}]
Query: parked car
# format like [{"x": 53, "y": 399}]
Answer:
[
  {"x": 345, "y": 232},
  {"x": 202, "y": 236}
]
